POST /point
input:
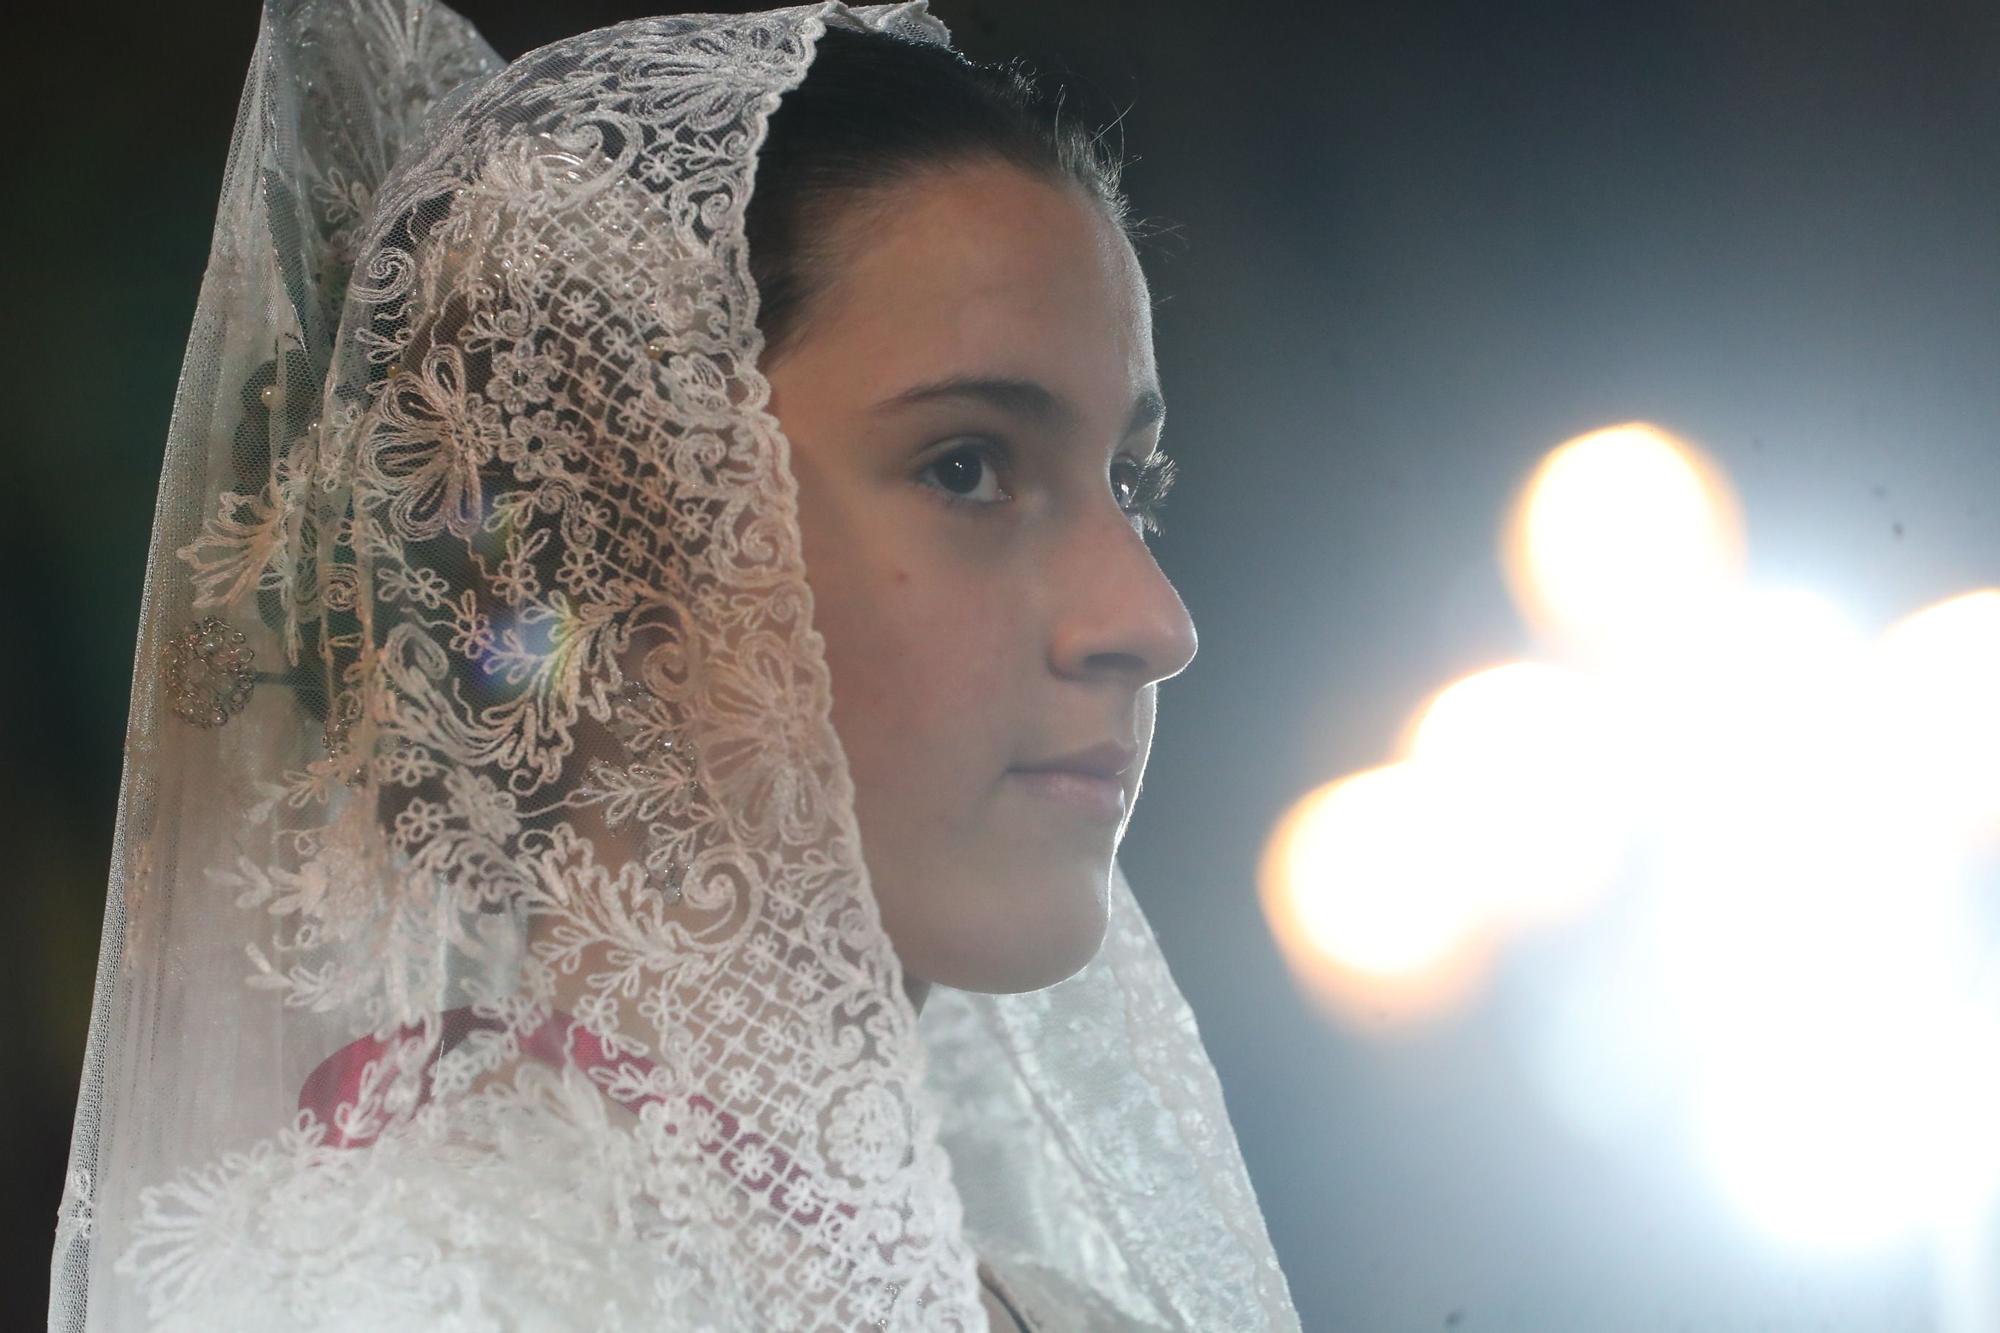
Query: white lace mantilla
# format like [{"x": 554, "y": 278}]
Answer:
[{"x": 505, "y": 958}]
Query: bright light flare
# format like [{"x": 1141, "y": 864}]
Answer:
[
  {"x": 1760, "y": 705},
  {"x": 1815, "y": 924},
  {"x": 1866, "y": 1122},
  {"x": 1367, "y": 889},
  {"x": 1937, "y": 682},
  {"x": 1526, "y": 766},
  {"x": 1620, "y": 538},
  {"x": 1807, "y": 976},
  {"x": 1388, "y": 889}
]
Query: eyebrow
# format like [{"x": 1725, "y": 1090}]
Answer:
[{"x": 1028, "y": 399}]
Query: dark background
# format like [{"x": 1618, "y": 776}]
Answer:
[{"x": 1413, "y": 247}]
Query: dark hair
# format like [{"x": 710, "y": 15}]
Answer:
[{"x": 874, "y": 110}]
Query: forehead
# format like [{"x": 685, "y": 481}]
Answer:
[{"x": 986, "y": 269}]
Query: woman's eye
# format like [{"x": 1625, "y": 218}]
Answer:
[
  {"x": 969, "y": 473},
  {"x": 1125, "y": 482},
  {"x": 1140, "y": 486}
]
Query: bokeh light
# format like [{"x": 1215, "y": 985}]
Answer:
[
  {"x": 1802, "y": 979},
  {"x": 1524, "y": 768},
  {"x": 1937, "y": 680},
  {"x": 1374, "y": 899},
  {"x": 1620, "y": 538}
]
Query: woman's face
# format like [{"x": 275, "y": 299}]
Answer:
[{"x": 969, "y": 404}]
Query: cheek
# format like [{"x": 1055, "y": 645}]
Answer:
[{"x": 921, "y": 680}]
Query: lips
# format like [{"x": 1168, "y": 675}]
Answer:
[
  {"x": 1107, "y": 760},
  {"x": 1089, "y": 781}
]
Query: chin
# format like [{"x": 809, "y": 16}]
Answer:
[{"x": 1013, "y": 942}]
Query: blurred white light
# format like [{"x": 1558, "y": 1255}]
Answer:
[
  {"x": 1375, "y": 874},
  {"x": 1762, "y": 701},
  {"x": 1865, "y": 1122},
  {"x": 1620, "y": 538},
  {"x": 1368, "y": 889},
  {"x": 1816, "y": 948},
  {"x": 1807, "y": 973},
  {"x": 1526, "y": 770},
  {"x": 1937, "y": 686}
]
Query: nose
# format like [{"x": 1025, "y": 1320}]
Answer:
[{"x": 1117, "y": 615}]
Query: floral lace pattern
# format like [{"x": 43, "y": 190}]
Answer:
[{"x": 476, "y": 442}]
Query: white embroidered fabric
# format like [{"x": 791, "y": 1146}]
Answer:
[{"x": 488, "y": 944}]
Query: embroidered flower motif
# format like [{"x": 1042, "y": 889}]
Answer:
[
  {"x": 868, "y": 1133},
  {"x": 406, "y": 765},
  {"x": 764, "y": 752},
  {"x": 419, "y": 822},
  {"x": 208, "y": 673},
  {"x": 432, "y": 436},
  {"x": 488, "y": 812},
  {"x": 239, "y": 548}
]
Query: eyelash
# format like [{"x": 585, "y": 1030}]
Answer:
[
  {"x": 1151, "y": 478},
  {"x": 1156, "y": 476}
]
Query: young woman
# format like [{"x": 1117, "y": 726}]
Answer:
[{"x": 649, "y": 596}]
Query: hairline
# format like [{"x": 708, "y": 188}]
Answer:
[{"x": 852, "y": 210}]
